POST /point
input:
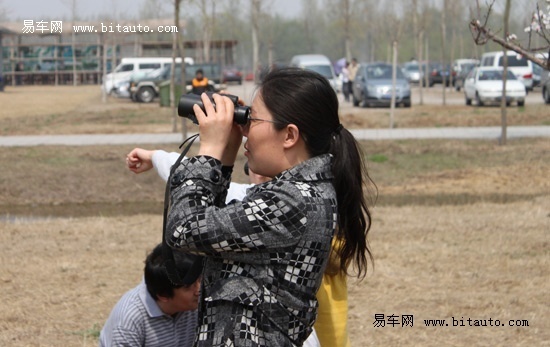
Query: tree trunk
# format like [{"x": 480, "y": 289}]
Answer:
[
  {"x": 503, "y": 120},
  {"x": 173, "y": 104},
  {"x": 183, "y": 79},
  {"x": 255, "y": 9},
  {"x": 393, "y": 83},
  {"x": 73, "y": 39},
  {"x": 104, "y": 45},
  {"x": 443, "y": 39}
]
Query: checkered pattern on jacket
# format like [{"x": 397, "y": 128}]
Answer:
[{"x": 265, "y": 255}]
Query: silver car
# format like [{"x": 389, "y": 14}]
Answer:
[
  {"x": 412, "y": 72},
  {"x": 373, "y": 86}
]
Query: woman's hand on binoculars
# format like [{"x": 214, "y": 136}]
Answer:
[{"x": 216, "y": 127}]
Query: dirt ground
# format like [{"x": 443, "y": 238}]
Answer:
[
  {"x": 33, "y": 110},
  {"x": 460, "y": 231}
]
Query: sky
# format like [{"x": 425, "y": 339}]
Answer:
[{"x": 59, "y": 9}]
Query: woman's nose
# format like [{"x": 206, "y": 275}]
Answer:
[{"x": 245, "y": 129}]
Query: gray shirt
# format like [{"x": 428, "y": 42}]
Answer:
[{"x": 137, "y": 320}]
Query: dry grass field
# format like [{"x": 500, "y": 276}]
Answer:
[{"x": 461, "y": 228}]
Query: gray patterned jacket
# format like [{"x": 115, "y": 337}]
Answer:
[{"x": 265, "y": 255}]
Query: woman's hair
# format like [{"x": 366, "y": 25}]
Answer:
[{"x": 306, "y": 99}]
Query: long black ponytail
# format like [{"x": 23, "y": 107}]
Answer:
[
  {"x": 307, "y": 99},
  {"x": 354, "y": 191}
]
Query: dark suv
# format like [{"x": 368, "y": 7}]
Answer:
[
  {"x": 146, "y": 88},
  {"x": 436, "y": 72}
]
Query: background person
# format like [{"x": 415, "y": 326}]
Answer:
[
  {"x": 346, "y": 86},
  {"x": 199, "y": 84},
  {"x": 157, "y": 312},
  {"x": 265, "y": 255}
]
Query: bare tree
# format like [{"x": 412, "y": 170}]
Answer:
[
  {"x": 208, "y": 24},
  {"x": 175, "y": 44},
  {"x": 418, "y": 37},
  {"x": 152, "y": 9},
  {"x": 3, "y": 12},
  {"x": 395, "y": 36},
  {"x": 256, "y": 11},
  {"x": 181, "y": 50},
  {"x": 71, "y": 4},
  {"x": 443, "y": 50},
  {"x": 104, "y": 49},
  {"x": 540, "y": 26},
  {"x": 307, "y": 6},
  {"x": 503, "y": 102}
]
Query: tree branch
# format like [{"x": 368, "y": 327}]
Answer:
[{"x": 486, "y": 34}]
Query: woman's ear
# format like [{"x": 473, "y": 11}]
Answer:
[{"x": 292, "y": 136}]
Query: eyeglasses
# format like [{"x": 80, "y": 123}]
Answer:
[{"x": 246, "y": 127}]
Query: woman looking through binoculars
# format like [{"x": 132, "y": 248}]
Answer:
[{"x": 265, "y": 255}]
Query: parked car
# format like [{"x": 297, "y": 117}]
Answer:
[
  {"x": 484, "y": 84},
  {"x": 373, "y": 86},
  {"x": 537, "y": 72},
  {"x": 459, "y": 64},
  {"x": 437, "y": 72},
  {"x": 465, "y": 68},
  {"x": 546, "y": 90},
  {"x": 412, "y": 72},
  {"x": 518, "y": 64},
  {"x": 128, "y": 66},
  {"x": 232, "y": 74},
  {"x": 146, "y": 89},
  {"x": 143, "y": 88},
  {"x": 318, "y": 63}
]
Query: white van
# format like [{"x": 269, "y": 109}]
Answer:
[
  {"x": 129, "y": 66},
  {"x": 518, "y": 64},
  {"x": 318, "y": 63}
]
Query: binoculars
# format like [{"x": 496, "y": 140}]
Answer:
[{"x": 185, "y": 107}]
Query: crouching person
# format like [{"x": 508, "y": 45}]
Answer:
[{"x": 157, "y": 312}]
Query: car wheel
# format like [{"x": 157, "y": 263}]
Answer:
[
  {"x": 407, "y": 103},
  {"x": 146, "y": 94},
  {"x": 521, "y": 103},
  {"x": 478, "y": 100},
  {"x": 468, "y": 100},
  {"x": 355, "y": 100},
  {"x": 546, "y": 95}
]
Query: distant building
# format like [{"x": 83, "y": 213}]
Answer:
[{"x": 48, "y": 45}]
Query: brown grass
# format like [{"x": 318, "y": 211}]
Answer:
[
  {"x": 32, "y": 110},
  {"x": 460, "y": 228}
]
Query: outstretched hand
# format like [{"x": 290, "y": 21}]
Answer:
[{"x": 139, "y": 160}]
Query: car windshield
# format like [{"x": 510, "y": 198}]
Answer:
[
  {"x": 155, "y": 73},
  {"x": 514, "y": 60},
  {"x": 324, "y": 70},
  {"x": 495, "y": 75},
  {"x": 382, "y": 72},
  {"x": 412, "y": 68},
  {"x": 467, "y": 66}
]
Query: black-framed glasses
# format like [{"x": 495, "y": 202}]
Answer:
[{"x": 246, "y": 126}]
